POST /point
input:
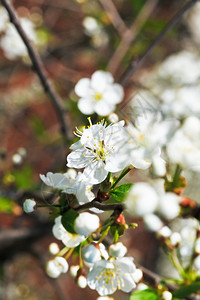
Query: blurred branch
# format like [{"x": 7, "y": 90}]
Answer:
[
  {"x": 17, "y": 240},
  {"x": 136, "y": 64},
  {"x": 39, "y": 69},
  {"x": 95, "y": 203},
  {"x": 130, "y": 34},
  {"x": 114, "y": 16}
]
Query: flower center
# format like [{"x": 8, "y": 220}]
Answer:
[{"x": 97, "y": 96}]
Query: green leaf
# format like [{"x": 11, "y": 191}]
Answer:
[
  {"x": 119, "y": 193},
  {"x": 187, "y": 290},
  {"x": 147, "y": 294},
  {"x": 68, "y": 219},
  {"x": 23, "y": 178},
  {"x": 6, "y": 205}
]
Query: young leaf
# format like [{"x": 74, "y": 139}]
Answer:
[
  {"x": 120, "y": 192},
  {"x": 68, "y": 219},
  {"x": 147, "y": 294},
  {"x": 187, "y": 290}
]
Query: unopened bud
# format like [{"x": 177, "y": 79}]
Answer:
[
  {"x": 29, "y": 205},
  {"x": 82, "y": 281}
]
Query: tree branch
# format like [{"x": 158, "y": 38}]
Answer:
[
  {"x": 130, "y": 35},
  {"x": 136, "y": 64},
  {"x": 97, "y": 204},
  {"x": 39, "y": 69},
  {"x": 114, "y": 16}
]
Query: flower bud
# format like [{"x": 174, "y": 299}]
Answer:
[
  {"x": 86, "y": 223},
  {"x": 29, "y": 205},
  {"x": 166, "y": 295},
  {"x": 164, "y": 232},
  {"x": 175, "y": 239},
  {"x": 56, "y": 266},
  {"x": 54, "y": 248},
  {"x": 197, "y": 246},
  {"x": 152, "y": 222},
  {"x": 82, "y": 281},
  {"x": 117, "y": 250},
  {"x": 91, "y": 253},
  {"x": 74, "y": 270}
]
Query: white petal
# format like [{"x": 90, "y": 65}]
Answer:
[
  {"x": 86, "y": 106},
  {"x": 100, "y": 80},
  {"x": 104, "y": 108},
  {"x": 114, "y": 93},
  {"x": 95, "y": 173},
  {"x": 82, "y": 88},
  {"x": 76, "y": 159}
]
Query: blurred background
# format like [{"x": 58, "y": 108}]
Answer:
[{"x": 74, "y": 38}]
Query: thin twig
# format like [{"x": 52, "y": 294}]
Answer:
[
  {"x": 136, "y": 64},
  {"x": 97, "y": 204},
  {"x": 114, "y": 16},
  {"x": 130, "y": 35},
  {"x": 39, "y": 69}
]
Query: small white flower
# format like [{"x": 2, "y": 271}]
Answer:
[
  {"x": 100, "y": 150},
  {"x": 56, "y": 266},
  {"x": 152, "y": 222},
  {"x": 141, "y": 199},
  {"x": 12, "y": 43},
  {"x": 82, "y": 282},
  {"x": 117, "y": 250},
  {"x": 184, "y": 147},
  {"x": 98, "y": 94},
  {"x": 108, "y": 276},
  {"x": 70, "y": 183},
  {"x": 54, "y": 248},
  {"x": 86, "y": 223},
  {"x": 17, "y": 159},
  {"x": 166, "y": 295},
  {"x": 70, "y": 240},
  {"x": 29, "y": 205}
]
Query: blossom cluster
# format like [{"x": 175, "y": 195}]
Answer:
[{"x": 161, "y": 143}]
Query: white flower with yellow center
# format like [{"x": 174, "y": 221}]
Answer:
[
  {"x": 98, "y": 94},
  {"x": 106, "y": 276},
  {"x": 70, "y": 240},
  {"x": 100, "y": 150}
]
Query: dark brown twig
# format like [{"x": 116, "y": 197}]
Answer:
[
  {"x": 136, "y": 64},
  {"x": 97, "y": 204},
  {"x": 39, "y": 69}
]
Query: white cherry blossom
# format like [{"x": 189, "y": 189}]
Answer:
[
  {"x": 184, "y": 147},
  {"x": 12, "y": 43},
  {"x": 70, "y": 240},
  {"x": 117, "y": 250},
  {"x": 100, "y": 150},
  {"x": 106, "y": 276},
  {"x": 98, "y": 94},
  {"x": 70, "y": 183}
]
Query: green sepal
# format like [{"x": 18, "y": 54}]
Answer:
[{"x": 68, "y": 219}]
